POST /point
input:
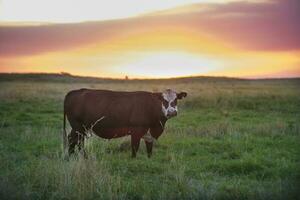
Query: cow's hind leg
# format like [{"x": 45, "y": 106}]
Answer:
[
  {"x": 76, "y": 138},
  {"x": 72, "y": 141},
  {"x": 81, "y": 145}
]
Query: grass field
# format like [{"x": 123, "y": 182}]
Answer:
[{"x": 232, "y": 139}]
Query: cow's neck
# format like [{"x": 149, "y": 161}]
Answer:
[{"x": 162, "y": 122}]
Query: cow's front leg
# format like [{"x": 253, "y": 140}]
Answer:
[
  {"x": 149, "y": 143},
  {"x": 136, "y": 136},
  {"x": 135, "y": 143},
  {"x": 149, "y": 148}
]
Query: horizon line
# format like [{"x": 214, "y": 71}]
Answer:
[{"x": 150, "y": 78}]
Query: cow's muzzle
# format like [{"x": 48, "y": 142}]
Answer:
[{"x": 171, "y": 114}]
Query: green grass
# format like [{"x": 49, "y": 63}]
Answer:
[{"x": 232, "y": 139}]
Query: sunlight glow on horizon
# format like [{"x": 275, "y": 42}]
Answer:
[
  {"x": 168, "y": 64},
  {"x": 168, "y": 53}
]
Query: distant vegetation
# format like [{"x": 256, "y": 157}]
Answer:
[
  {"x": 67, "y": 77},
  {"x": 232, "y": 139}
]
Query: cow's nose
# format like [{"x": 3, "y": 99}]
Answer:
[{"x": 171, "y": 114}]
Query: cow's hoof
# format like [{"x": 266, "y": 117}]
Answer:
[{"x": 133, "y": 156}]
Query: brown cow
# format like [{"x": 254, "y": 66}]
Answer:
[{"x": 111, "y": 114}]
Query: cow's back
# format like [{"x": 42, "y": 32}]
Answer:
[{"x": 116, "y": 109}]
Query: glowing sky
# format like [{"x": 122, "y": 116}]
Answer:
[{"x": 151, "y": 39}]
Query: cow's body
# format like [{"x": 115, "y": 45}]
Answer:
[{"x": 111, "y": 114}]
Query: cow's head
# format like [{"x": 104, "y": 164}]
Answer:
[{"x": 169, "y": 102}]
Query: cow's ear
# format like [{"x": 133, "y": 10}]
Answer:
[{"x": 181, "y": 95}]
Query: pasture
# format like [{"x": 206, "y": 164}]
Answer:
[{"x": 232, "y": 139}]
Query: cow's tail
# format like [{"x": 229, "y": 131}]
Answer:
[{"x": 65, "y": 137}]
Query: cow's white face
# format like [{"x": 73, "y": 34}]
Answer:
[{"x": 169, "y": 102}]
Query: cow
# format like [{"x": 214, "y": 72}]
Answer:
[{"x": 113, "y": 114}]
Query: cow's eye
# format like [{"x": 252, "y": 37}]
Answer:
[
  {"x": 174, "y": 103},
  {"x": 166, "y": 103}
]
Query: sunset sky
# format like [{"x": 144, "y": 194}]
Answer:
[{"x": 151, "y": 39}]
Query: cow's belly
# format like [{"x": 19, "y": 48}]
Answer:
[{"x": 109, "y": 133}]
